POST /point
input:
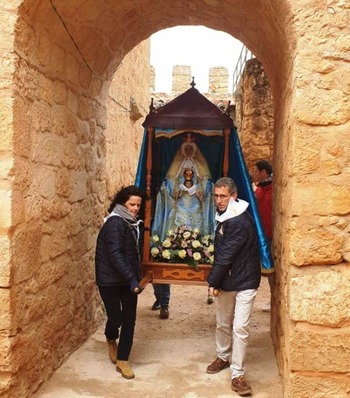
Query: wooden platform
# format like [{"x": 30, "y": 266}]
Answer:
[{"x": 175, "y": 273}]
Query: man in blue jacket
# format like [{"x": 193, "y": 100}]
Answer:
[{"x": 236, "y": 274}]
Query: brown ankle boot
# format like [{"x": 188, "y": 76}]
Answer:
[
  {"x": 112, "y": 350},
  {"x": 124, "y": 368}
]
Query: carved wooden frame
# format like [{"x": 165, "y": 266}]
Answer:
[{"x": 172, "y": 273}]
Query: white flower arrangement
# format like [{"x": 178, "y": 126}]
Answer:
[{"x": 183, "y": 245}]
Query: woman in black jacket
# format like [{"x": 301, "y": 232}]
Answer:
[{"x": 118, "y": 272}]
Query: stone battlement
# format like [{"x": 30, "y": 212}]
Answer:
[{"x": 181, "y": 81}]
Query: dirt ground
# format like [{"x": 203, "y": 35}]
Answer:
[{"x": 169, "y": 357}]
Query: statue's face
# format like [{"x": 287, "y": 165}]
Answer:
[
  {"x": 188, "y": 173},
  {"x": 188, "y": 151}
]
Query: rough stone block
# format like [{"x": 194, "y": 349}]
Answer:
[
  {"x": 41, "y": 116},
  {"x": 4, "y": 260},
  {"x": 45, "y": 181},
  {"x": 78, "y": 185},
  {"x": 52, "y": 271},
  {"x": 320, "y": 351},
  {"x": 72, "y": 68},
  {"x": 318, "y": 386},
  {"x": 5, "y": 358},
  {"x": 321, "y": 299},
  {"x": 43, "y": 52},
  {"x": 310, "y": 197},
  {"x": 6, "y": 208},
  {"x": 26, "y": 243},
  {"x": 6, "y": 126},
  {"x": 55, "y": 242},
  {"x": 72, "y": 154},
  {"x": 22, "y": 138},
  {"x": 58, "y": 55},
  {"x": 310, "y": 244},
  {"x": 63, "y": 187},
  {"x": 60, "y": 93},
  {"x": 47, "y": 149}
]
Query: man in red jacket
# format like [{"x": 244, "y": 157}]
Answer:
[{"x": 263, "y": 192}]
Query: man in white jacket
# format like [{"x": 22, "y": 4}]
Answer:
[{"x": 236, "y": 274}]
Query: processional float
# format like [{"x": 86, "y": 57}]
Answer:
[{"x": 165, "y": 128}]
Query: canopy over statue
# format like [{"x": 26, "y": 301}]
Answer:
[{"x": 188, "y": 144}]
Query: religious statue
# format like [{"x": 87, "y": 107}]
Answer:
[{"x": 186, "y": 194}]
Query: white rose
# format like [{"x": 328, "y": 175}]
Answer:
[
  {"x": 196, "y": 244},
  {"x": 196, "y": 231},
  {"x": 196, "y": 256},
  {"x": 211, "y": 259},
  {"x": 186, "y": 234},
  {"x": 155, "y": 238},
  {"x": 166, "y": 254},
  {"x": 211, "y": 248},
  {"x": 166, "y": 243},
  {"x": 154, "y": 251},
  {"x": 182, "y": 253},
  {"x": 170, "y": 232}
]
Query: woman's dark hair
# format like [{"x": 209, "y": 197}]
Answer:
[{"x": 124, "y": 194}]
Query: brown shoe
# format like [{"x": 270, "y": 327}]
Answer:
[
  {"x": 112, "y": 350},
  {"x": 164, "y": 312},
  {"x": 217, "y": 365},
  {"x": 240, "y": 386},
  {"x": 123, "y": 367}
]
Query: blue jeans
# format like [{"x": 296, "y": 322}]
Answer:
[{"x": 162, "y": 293}]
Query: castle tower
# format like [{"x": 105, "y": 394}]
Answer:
[
  {"x": 181, "y": 79},
  {"x": 218, "y": 80}
]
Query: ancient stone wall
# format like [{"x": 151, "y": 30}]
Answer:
[
  {"x": 255, "y": 114},
  {"x": 218, "y": 80},
  {"x": 127, "y": 107},
  {"x": 181, "y": 82},
  {"x": 67, "y": 146},
  {"x": 181, "y": 79}
]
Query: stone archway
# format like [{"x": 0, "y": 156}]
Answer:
[{"x": 57, "y": 65}]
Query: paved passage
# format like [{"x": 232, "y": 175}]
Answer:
[{"x": 169, "y": 357}]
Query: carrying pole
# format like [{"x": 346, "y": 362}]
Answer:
[
  {"x": 226, "y": 147},
  {"x": 148, "y": 203}
]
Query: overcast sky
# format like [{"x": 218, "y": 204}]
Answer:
[{"x": 196, "y": 46}]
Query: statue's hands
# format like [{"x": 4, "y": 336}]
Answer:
[
  {"x": 199, "y": 195},
  {"x": 177, "y": 193}
]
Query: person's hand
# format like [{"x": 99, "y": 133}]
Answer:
[
  {"x": 213, "y": 291},
  {"x": 135, "y": 287}
]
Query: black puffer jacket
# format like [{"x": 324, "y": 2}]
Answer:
[
  {"x": 117, "y": 258},
  {"x": 236, "y": 256}
]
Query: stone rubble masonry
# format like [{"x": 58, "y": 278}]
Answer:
[
  {"x": 181, "y": 79},
  {"x": 255, "y": 114},
  {"x": 68, "y": 139},
  {"x": 218, "y": 80}
]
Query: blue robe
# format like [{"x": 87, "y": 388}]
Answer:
[{"x": 177, "y": 206}]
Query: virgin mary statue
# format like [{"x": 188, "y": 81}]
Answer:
[{"x": 185, "y": 197}]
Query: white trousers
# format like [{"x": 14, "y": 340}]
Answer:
[{"x": 232, "y": 327}]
